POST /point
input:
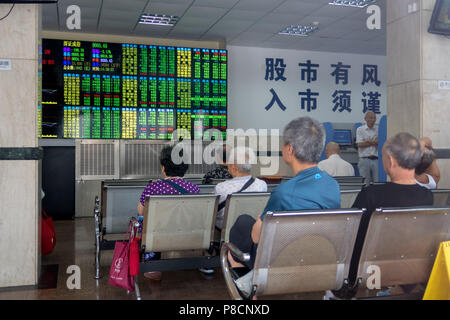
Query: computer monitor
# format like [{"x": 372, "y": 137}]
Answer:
[{"x": 343, "y": 137}]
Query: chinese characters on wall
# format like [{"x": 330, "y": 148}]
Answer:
[{"x": 341, "y": 100}]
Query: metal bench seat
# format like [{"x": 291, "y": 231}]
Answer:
[
  {"x": 300, "y": 251},
  {"x": 403, "y": 243}
]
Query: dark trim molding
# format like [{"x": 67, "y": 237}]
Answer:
[
  {"x": 269, "y": 154},
  {"x": 442, "y": 153},
  {"x": 21, "y": 153}
]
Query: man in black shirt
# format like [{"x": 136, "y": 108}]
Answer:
[{"x": 401, "y": 155}]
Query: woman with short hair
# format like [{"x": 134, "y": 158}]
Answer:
[{"x": 172, "y": 183}]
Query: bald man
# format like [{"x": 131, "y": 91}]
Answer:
[
  {"x": 334, "y": 165},
  {"x": 367, "y": 142}
]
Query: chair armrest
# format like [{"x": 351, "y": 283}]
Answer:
[
  {"x": 235, "y": 251},
  {"x": 229, "y": 247}
]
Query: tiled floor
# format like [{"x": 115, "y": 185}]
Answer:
[{"x": 75, "y": 246}]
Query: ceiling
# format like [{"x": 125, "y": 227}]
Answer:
[{"x": 253, "y": 23}]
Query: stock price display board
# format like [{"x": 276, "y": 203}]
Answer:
[{"x": 97, "y": 90}]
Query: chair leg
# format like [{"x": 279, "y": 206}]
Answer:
[
  {"x": 97, "y": 261},
  {"x": 136, "y": 287},
  {"x": 97, "y": 248}
]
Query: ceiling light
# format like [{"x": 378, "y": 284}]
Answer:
[
  {"x": 352, "y": 3},
  {"x": 298, "y": 30},
  {"x": 158, "y": 19}
]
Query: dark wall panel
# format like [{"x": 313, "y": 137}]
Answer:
[{"x": 58, "y": 182}]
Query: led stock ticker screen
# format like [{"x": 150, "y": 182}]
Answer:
[{"x": 98, "y": 90}]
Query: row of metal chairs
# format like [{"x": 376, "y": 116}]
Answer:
[
  {"x": 187, "y": 222},
  {"x": 120, "y": 205},
  {"x": 310, "y": 251},
  {"x": 174, "y": 223}
]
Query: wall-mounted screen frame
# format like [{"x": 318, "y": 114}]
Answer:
[{"x": 104, "y": 90}]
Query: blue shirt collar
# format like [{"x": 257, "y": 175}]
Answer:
[{"x": 308, "y": 172}]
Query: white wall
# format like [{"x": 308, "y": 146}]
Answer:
[{"x": 249, "y": 92}]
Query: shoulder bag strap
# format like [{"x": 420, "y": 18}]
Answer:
[
  {"x": 177, "y": 187},
  {"x": 246, "y": 185}
]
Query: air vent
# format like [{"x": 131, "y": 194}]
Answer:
[
  {"x": 96, "y": 159},
  {"x": 140, "y": 159}
]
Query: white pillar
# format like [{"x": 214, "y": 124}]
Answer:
[
  {"x": 416, "y": 61},
  {"x": 19, "y": 179}
]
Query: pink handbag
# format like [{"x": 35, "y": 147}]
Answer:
[
  {"x": 134, "y": 257},
  {"x": 119, "y": 275}
]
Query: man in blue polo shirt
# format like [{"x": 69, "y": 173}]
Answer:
[
  {"x": 305, "y": 191},
  {"x": 310, "y": 188}
]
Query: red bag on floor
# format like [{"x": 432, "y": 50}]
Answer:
[
  {"x": 118, "y": 274},
  {"x": 48, "y": 235},
  {"x": 125, "y": 261},
  {"x": 134, "y": 257}
]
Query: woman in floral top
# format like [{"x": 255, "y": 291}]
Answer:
[{"x": 171, "y": 172}]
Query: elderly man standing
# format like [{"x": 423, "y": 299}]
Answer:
[
  {"x": 367, "y": 142},
  {"x": 310, "y": 188},
  {"x": 334, "y": 165},
  {"x": 401, "y": 155}
]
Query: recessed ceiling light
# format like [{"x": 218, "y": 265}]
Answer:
[
  {"x": 158, "y": 19},
  {"x": 298, "y": 30},
  {"x": 352, "y": 3}
]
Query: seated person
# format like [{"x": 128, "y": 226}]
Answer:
[
  {"x": 241, "y": 177},
  {"x": 427, "y": 172},
  {"x": 334, "y": 165},
  {"x": 310, "y": 188},
  {"x": 241, "y": 181},
  {"x": 173, "y": 183},
  {"x": 221, "y": 172},
  {"x": 401, "y": 155}
]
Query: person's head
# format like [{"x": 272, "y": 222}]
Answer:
[
  {"x": 370, "y": 119},
  {"x": 426, "y": 142},
  {"x": 304, "y": 139},
  {"x": 240, "y": 160},
  {"x": 428, "y": 157},
  {"x": 332, "y": 148},
  {"x": 168, "y": 167},
  {"x": 221, "y": 155},
  {"x": 401, "y": 156}
]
